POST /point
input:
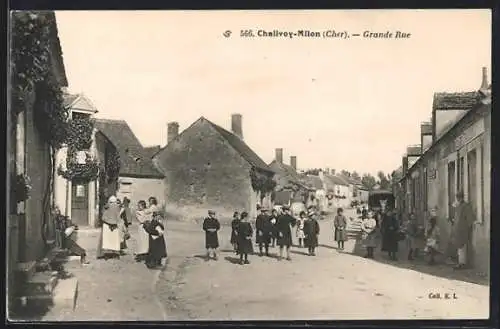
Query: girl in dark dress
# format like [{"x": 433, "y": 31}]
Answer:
[
  {"x": 311, "y": 232},
  {"x": 390, "y": 233},
  {"x": 245, "y": 233},
  {"x": 211, "y": 226},
  {"x": 157, "y": 247},
  {"x": 284, "y": 231},
  {"x": 273, "y": 218},
  {"x": 235, "y": 223}
]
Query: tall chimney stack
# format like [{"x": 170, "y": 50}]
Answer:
[
  {"x": 484, "y": 82},
  {"x": 236, "y": 125},
  {"x": 279, "y": 155},
  {"x": 172, "y": 131},
  {"x": 293, "y": 162}
]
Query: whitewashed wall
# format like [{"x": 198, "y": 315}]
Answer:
[{"x": 141, "y": 189}]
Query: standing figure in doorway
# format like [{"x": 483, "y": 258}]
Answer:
[
  {"x": 235, "y": 223},
  {"x": 311, "y": 232},
  {"x": 462, "y": 229},
  {"x": 245, "y": 233},
  {"x": 390, "y": 232},
  {"x": 211, "y": 226},
  {"x": 263, "y": 230},
  {"x": 283, "y": 227},
  {"x": 340, "y": 224},
  {"x": 433, "y": 237}
]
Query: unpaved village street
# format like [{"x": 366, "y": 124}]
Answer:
[{"x": 333, "y": 285}]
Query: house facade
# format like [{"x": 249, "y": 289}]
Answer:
[
  {"x": 337, "y": 190},
  {"x": 138, "y": 178},
  {"x": 209, "y": 167},
  {"x": 459, "y": 158},
  {"x": 289, "y": 188}
]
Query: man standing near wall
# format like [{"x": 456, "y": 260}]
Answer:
[{"x": 462, "y": 229}]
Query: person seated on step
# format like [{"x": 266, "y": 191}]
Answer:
[{"x": 72, "y": 246}]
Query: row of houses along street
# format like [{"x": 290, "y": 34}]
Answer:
[{"x": 66, "y": 160}]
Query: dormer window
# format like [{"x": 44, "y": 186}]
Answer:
[{"x": 79, "y": 115}]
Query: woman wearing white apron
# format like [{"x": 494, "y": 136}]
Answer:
[
  {"x": 109, "y": 244},
  {"x": 143, "y": 217}
]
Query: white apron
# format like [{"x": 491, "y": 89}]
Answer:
[
  {"x": 110, "y": 239},
  {"x": 142, "y": 241}
]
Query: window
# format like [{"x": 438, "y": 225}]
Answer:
[
  {"x": 79, "y": 116},
  {"x": 460, "y": 176},
  {"x": 80, "y": 191},
  {"x": 425, "y": 190}
]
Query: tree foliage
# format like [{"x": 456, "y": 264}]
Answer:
[{"x": 368, "y": 181}]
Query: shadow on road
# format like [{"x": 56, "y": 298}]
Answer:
[
  {"x": 421, "y": 265},
  {"x": 327, "y": 246},
  {"x": 232, "y": 260},
  {"x": 297, "y": 252}
]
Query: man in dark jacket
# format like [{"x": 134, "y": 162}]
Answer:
[
  {"x": 211, "y": 226},
  {"x": 283, "y": 228},
  {"x": 263, "y": 229},
  {"x": 462, "y": 229}
]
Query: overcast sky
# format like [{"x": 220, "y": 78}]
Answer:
[{"x": 350, "y": 104}]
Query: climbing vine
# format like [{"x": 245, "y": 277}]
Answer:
[
  {"x": 113, "y": 167},
  {"x": 261, "y": 182}
]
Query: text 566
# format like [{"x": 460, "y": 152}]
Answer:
[{"x": 246, "y": 33}]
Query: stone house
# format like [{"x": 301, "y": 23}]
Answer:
[
  {"x": 138, "y": 178},
  {"x": 209, "y": 167},
  {"x": 337, "y": 190},
  {"x": 289, "y": 188},
  {"x": 459, "y": 158}
]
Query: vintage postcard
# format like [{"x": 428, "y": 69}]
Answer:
[{"x": 249, "y": 165}]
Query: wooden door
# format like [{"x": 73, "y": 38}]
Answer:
[{"x": 80, "y": 204}]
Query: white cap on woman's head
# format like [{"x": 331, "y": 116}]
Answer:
[{"x": 112, "y": 199}]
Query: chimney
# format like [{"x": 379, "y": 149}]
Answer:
[
  {"x": 293, "y": 162},
  {"x": 236, "y": 126},
  {"x": 405, "y": 165},
  {"x": 279, "y": 155},
  {"x": 172, "y": 131},
  {"x": 484, "y": 83}
]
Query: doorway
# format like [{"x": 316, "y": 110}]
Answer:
[
  {"x": 451, "y": 189},
  {"x": 80, "y": 204}
]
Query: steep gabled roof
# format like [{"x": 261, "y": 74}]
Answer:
[
  {"x": 135, "y": 162},
  {"x": 312, "y": 181},
  {"x": 242, "y": 148},
  {"x": 150, "y": 151},
  {"x": 331, "y": 181},
  {"x": 285, "y": 170}
]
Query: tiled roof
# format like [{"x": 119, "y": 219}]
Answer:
[
  {"x": 455, "y": 101},
  {"x": 69, "y": 99},
  {"x": 135, "y": 161},
  {"x": 242, "y": 148},
  {"x": 331, "y": 181},
  {"x": 151, "y": 150},
  {"x": 312, "y": 181},
  {"x": 284, "y": 170}
]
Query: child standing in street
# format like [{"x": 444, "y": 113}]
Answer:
[
  {"x": 432, "y": 245},
  {"x": 211, "y": 226},
  {"x": 245, "y": 233},
  {"x": 157, "y": 247},
  {"x": 300, "y": 228},
  {"x": 235, "y": 223},
  {"x": 311, "y": 231},
  {"x": 340, "y": 223}
]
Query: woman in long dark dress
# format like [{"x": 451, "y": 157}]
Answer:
[
  {"x": 235, "y": 223},
  {"x": 245, "y": 233},
  {"x": 390, "y": 233},
  {"x": 211, "y": 226},
  {"x": 311, "y": 232},
  {"x": 340, "y": 223},
  {"x": 157, "y": 247},
  {"x": 273, "y": 218}
]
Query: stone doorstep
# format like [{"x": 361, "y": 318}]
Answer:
[
  {"x": 63, "y": 297},
  {"x": 40, "y": 283}
]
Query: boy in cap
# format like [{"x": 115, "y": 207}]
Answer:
[
  {"x": 211, "y": 226},
  {"x": 263, "y": 229}
]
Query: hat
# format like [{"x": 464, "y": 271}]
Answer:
[
  {"x": 112, "y": 199},
  {"x": 211, "y": 212},
  {"x": 311, "y": 212}
]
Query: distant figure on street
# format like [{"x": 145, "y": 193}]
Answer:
[
  {"x": 235, "y": 223},
  {"x": 263, "y": 228},
  {"x": 364, "y": 213},
  {"x": 433, "y": 237},
  {"x": 340, "y": 223},
  {"x": 211, "y": 226},
  {"x": 300, "y": 228},
  {"x": 390, "y": 232},
  {"x": 273, "y": 218},
  {"x": 245, "y": 233},
  {"x": 411, "y": 231},
  {"x": 311, "y": 232},
  {"x": 283, "y": 223},
  {"x": 143, "y": 236},
  {"x": 462, "y": 229},
  {"x": 109, "y": 242},
  {"x": 369, "y": 234},
  {"x": 157, "y": 247}
]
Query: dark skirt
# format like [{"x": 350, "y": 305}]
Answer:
[
  {"x": 340, "y": 235},
  {"x": 234, "y": 237},
  {"x": 390, "y": 242},
  {"x": 211, "y": 240},
  {"x": 311, "y": 241},
  {"x": 285, "y": 240},
  {"x": 245, "y": 246},
  {"x": 157, "y": 248},
  {"x": 264, "y": 239}
]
